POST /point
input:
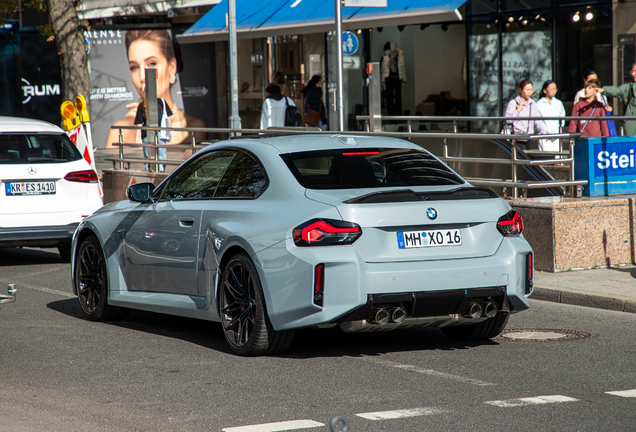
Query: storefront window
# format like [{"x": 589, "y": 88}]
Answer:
[
  {"x": 483, "y": 67},
  {"x": 584, "y": 37}
]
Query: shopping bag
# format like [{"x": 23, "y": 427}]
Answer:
[{"x": 611, "y": 126}]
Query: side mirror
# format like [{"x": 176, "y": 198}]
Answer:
[{"x": 140, "y": 192}]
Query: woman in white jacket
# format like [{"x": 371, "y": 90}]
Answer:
[
  {"x": 550, "y": 106},
  {"x": 274, "y": 107}
]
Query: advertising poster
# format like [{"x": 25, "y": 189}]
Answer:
[
  {"x": 118, "y": 59},
  {"x": 525, "y": 55},
  {"x": 41, "y": 82}
]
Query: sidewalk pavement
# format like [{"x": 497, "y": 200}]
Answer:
[
  {"x": 611, "y": 288},
  {"x": 606, "y": 288}
]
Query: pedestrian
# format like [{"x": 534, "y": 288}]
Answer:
[
  {"x": 589, "y": 107},
  {"x": 163, "y": 115},
  {"x": 279, "y": 78},
  {"x": 523, "y": 106},
  {"x": 550, "y": 106},
  {"x": 626, "y": 92},
  {"x": 274, "y": 107},
  {"x": 588, "y": 75},
  {"x": 315, "y": 112}
]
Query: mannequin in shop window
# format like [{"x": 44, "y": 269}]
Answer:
[{"x": 393, "y": 75}]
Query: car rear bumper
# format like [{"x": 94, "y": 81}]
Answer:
[
  {"x": 352, "y": 286},
  {"x": 37, "y": 235}
]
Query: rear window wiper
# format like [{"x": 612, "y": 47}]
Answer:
[{"x": 408, "y": 195}]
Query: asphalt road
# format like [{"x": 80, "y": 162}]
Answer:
[{"x": 151, "y": 372}]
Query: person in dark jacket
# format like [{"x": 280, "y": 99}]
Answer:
[
  {"x": 313, "y": 100},
  {"x": 589, "y": 106}
]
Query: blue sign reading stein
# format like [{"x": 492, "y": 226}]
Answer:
[
  {"x": 349, "y": 43},
  {"x": 608, "y": 164}
]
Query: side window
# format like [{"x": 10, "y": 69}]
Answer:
[
  {"x": 199, "y": 178},
  {"x": 244, "y": 178}
]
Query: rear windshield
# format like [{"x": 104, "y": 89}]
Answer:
[
  {"x": 368, "y": 168},
  {"x": 37, "y": 148}
]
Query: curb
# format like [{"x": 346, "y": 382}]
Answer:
[{"x": 584, "y": 298}]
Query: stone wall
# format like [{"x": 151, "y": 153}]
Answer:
[{"x": 576, "y": 233}]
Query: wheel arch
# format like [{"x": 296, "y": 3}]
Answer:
[
  {"x": 235, "y": 248},
  {"x": 79, "y": 237}
]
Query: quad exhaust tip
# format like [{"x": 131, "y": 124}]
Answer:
[
  {"x": 398, "y": 315},
  {"x": 474, "y": 310},
  {"x": 490, "y": 309},
  {"x": 380, "y": 316}
]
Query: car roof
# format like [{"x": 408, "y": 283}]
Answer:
[
  {"x": 20, "y": 124},
  {"x": 309, "y": 142}
]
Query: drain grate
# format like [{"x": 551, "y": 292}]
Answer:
[{"x": 541, "y": 335}]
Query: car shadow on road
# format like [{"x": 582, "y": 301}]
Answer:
[
  {"x": 308, "y": 343},
  {"x": 336, "y": 343},
  {"x": 204, "y": 333},
  {"x": 14, "y": 256}
]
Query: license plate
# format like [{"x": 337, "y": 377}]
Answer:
[
  {"x": 416, "y": 239},
  {"x": 30, "y": 188}
]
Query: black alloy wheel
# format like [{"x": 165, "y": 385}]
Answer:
[
  {"x": 245, "y": 323},
  {"x": 91, "y": 280}
]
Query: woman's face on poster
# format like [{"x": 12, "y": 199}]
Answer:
[{"x": 142, "y": 55}]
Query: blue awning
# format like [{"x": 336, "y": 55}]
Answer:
[{"x": 256, "y": 18}]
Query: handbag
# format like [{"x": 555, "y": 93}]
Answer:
[
  {"x": 312, "y": 117},
  {"x": 292, "y": 115}
]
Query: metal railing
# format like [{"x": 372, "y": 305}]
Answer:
[
  {"x": 514, "y": 184},
  {"x": 514, "y": 161}
]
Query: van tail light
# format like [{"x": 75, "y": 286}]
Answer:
[
  {"x": 529, "y": 274},
  {"x": 510, "y": 224},
  {"x": 326, "y": 232},
  {"x": 88, "y": 176},
  {"x": 319, "y": 284}
]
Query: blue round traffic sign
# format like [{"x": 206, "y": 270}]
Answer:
[{"x": 349, "y": 43}]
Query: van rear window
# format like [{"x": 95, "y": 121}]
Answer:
[
  {"x": 368, "y": 168},
  {"x": 23, "y": 148}
]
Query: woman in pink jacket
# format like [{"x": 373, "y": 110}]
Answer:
[{"x": 524, "y": 106}]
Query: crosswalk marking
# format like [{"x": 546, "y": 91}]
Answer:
[
  {"x": 623, "y": 393},
  {"x": 276, "y": 427},
  {"x": 538, "y": 400},
  {"x": 404, "y": 413}
]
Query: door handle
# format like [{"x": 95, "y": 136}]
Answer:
[{"x": 186, "y": 221}]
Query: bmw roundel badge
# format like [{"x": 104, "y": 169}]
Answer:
[{"x": 431, "y": 213}]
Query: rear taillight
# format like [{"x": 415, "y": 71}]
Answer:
[
  {"x": 529, "y": 274},
  {"x": 326, "y": 232},
  {"x": 319, "y": 284},
  {"x": 88, "y": 176},
  {"x": 510, "y": 224}
]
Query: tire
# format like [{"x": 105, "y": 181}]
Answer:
[
  {"x": 246, "y": 326},
  {"x": 488, "y": 329},
  {"x": 91, "y": 280},
  {"x": 65, "y": 252}
]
